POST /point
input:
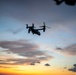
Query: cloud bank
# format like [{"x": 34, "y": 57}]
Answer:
[
  {"x": 21, "y": 52},
  {"x": 73, "y": 69},
  {"x": 69, "y": 50}
]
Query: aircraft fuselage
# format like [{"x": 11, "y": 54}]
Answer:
[{"x": 35, "y": 31}]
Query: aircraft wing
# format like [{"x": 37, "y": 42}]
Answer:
[{"x": 39, "y": 29}]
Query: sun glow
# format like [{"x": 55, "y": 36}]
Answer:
[{"x": 35, "y": 70}]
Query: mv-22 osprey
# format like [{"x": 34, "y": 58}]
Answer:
[{"x": 34, "y": 30}]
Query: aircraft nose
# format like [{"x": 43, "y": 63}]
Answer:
[{"x": 39, "y": 34}]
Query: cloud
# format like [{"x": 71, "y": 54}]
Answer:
[
  {"x": 58, "y": 48},
  {"x": 3, "y": 74},
  {"x": 32, "y": 63},
  {"x": 69, "y": 50},
  {"x": 47, "y": 64},
  {"x": 21, "y": 52},
  {"x": 12, "y": 73},
  {"x": 28, "y": 61},
  {"x": 74, "y": 65},
  {"x": 3, "y": 66},
  {"x": 65, "y": 67},
  {"x": 18, "y": 46},
  {"x": 73, "y": 69}
]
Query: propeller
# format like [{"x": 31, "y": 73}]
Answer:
[
  {"x": 27, "y": 26},
  {"x": 30, "y": 26},
  {"x": 44, "y": 27},
  {"x": 33, "y": 25}
]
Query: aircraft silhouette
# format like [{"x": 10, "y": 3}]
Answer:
[
  {"x": 36, "y": 31},
  {"x": 68, "y": 2}
]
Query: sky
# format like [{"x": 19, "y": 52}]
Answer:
[{"x": 51, "y": 53}]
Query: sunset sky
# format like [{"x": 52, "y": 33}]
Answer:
[{"x": 51, "y": 53}]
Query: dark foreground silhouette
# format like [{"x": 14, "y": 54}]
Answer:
[{"x": 68, "y": 2}]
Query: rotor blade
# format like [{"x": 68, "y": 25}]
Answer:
[
  {"x": 41, "y": 26},
  {"x": 33, "y": 25},
  {"x": 26, "y": 25}
]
